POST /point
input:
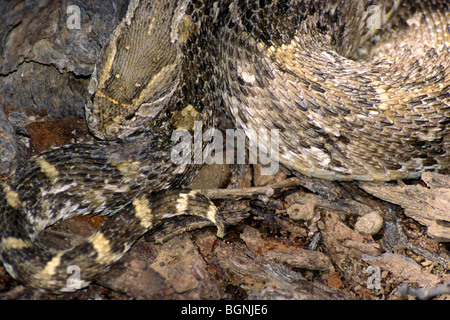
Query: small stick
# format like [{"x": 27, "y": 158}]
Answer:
[{"x": 267, "y": 191}]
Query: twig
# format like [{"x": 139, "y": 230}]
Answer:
[{"x": 267, "y": 191}]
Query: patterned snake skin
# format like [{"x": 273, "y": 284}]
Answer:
[{"x": 274, "y": 64}]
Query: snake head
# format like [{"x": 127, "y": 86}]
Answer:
[{"x": 137, "y": 73}]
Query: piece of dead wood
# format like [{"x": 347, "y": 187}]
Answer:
[
  {"x": 302, "y": 259},
  {"x": 286, "y": 254},
  {"x": 343, "y": 242},
  {"x": 403, "y": 268},
  {"x": 304, "y": 204},
  {"x": 240, "y": 193},
  {"x": 264, "y": 278},
  {"x": 428, "y": 205}
]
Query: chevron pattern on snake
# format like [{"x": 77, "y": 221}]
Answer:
[{"x": 290, "y": 65}]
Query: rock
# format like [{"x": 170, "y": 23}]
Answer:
[{"x": 370, "y": 223}]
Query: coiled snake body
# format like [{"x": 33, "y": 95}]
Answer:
[{"x": 273, "y": 64}]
